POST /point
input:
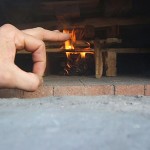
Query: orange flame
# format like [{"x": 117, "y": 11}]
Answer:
[
  {"x": 82, "y": 54},
  {"x": 69, "y": 44}
]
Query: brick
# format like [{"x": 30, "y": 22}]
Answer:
[
  {"x": 131, "y": 90},
  {"x": 99, "y": 90},
  {"x": 147, "y": 90},
  {"x": 42, "y": 91},
  {"x": 68, "y": 90},
  {"x": 11, "y": 93}
]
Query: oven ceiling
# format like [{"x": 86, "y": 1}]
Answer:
[{"x": 60, "y": 13}]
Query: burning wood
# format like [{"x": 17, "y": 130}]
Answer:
[
  {"x": 78, "y": 64},
  {"x": 78, "y": 61}
]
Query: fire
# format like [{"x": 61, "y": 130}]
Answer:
[
  {"x": 78, "y": 59},
  {"x": 69, "y": 44},
  {"x": 82, "y": 54}
]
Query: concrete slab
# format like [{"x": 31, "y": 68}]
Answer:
[{"x": 76, "y": 122}]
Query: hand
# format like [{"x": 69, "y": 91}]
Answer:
[{"x": 12, "y": 40}]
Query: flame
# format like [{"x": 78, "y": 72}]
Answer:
[
  {"x": 69, "y": 43},
  {"x": 68, "y": 54},
  {"x": 82, "y": 54}
]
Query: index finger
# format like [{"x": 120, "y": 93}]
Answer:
[
  {"x": 35, "y": 46},
  {"x": 47, "y": 35}
]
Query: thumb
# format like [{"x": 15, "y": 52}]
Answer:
[{"x": 17, "y": 78}]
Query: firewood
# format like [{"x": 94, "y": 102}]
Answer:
[
  {"x": 98, "y": 59},
  {"x": 110, "y": 63}
]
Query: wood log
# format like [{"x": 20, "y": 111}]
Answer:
[
  {"x": 113, "y": 31},
  {"x": 67, "y": 12},
  {"x": 107, "y": 22},
  {"x": 78, "y": 8},
  {"x": 88, "y": 32},
  {"x": 110, "y": 64},
  {"x": 118, "y": 7},
  {"x": 95, "y": 22},
  {"x": 128, "y": 50},
  {"x": 98, "y": 59}
]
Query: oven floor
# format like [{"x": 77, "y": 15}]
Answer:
[
  {"x": 91, "y": 80},
  {"x": 77, "y": 122},
  {"x": 85, "y": 86}
]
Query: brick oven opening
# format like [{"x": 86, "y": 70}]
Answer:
[{"x": 109, "y": 38}]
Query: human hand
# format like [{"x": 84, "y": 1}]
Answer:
[{"x": 12, "y": 40}]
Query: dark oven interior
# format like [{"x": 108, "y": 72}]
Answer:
[{"x": 113, "y": 35}]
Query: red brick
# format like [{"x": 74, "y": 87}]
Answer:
[
  {"x": 130, "y": 90},
  {"x": 68, "y": 90},
  {"x": 147, "y": 90},
  {"x": 11, "y": 93},
  {"x": 99, "y": 90},
  {"x": 42, "y": 91}
]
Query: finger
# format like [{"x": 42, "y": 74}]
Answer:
[
  {"x": 19, "y": 40},
  {"x": 56, "y": 31},
  {"x": 26, "y": 81},
  {"x": 47, "y": 35},
  {"x": 34, "y": 45},
  {"x": 37, "y": 47}
]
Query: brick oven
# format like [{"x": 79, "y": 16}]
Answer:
[{"x": 109, "y": 38}]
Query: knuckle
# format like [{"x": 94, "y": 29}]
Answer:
[
  {"x": 40, "y": 29},
  {"x": 7, "y": 27},
  {"x": 7, "y": 30}
]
